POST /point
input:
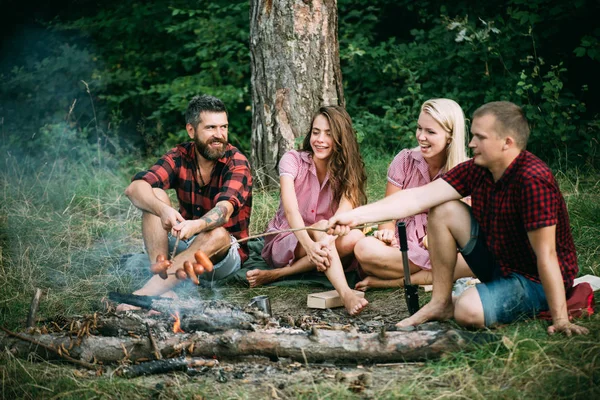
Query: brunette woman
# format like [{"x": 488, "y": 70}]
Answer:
[{"x": 325, "y": 177}]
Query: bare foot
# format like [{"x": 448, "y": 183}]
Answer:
[
  {"x": 354, "y": 304},
  {"x": 126, "y": 307},
  {"x": 259, "y": 277},
  {"x": 430, "y": 312},
  {"x": 371, "y": 282}
]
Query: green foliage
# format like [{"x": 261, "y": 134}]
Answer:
[
  {"x": 590, "y": 46},
  {"x": 188, "y": 49},
  {"x": 42, "y": 91},
  {"x": 472, "y": 54},
  {"x": 142, "y": 61}
]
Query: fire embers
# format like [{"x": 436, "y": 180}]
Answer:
[{"x": 190, "y": 270}]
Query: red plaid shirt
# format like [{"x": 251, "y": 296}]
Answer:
[
  {"x": 230, "y": 180},
  {"x": 524, "y": 199}
]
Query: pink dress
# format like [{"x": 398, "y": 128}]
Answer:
[
  {"x": 315, "y": 202},
  {"x": 409, "y": 170}
]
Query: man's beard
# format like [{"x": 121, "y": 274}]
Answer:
[{"x": 208, "y": 153}]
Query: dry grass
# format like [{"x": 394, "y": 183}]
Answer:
[{"x": 64, "y": 226}]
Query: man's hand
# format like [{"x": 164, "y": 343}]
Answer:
[
  {"x": 387, "y": 236},
  {"x": 341, "y": 224},
  {"x": 186, "y": 229},
  {"x": 169, "y": 218},
  {"x": 566, "y": 327}
]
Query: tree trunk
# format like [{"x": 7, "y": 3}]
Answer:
[{"x": 295, "y": 70}]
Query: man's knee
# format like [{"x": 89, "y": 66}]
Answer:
[
  {"x": 448, "y": 211},
  {"x": 218, "y": 235},
  {"x": 468, "y": 310},
  {"x": 453, "y": 215},
  {"x": 162, "y": 195}
]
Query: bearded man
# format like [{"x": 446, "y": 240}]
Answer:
[{"x": 213, "y": 184}]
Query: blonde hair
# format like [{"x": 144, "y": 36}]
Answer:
[{"x": 451, "y": 118}]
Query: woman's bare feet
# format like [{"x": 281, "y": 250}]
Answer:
[
  {"x": 430, "y": 312},
  {"x": 259, "y": 277},
  {"x": 371, "y": 282},
  {"x": 354, "y": 304}
]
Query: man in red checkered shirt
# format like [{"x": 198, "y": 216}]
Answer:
[
  {"x": 516, "y": 237},
  {"x": 213, "y": 184}
]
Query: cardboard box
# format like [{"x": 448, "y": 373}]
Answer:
[
  {"x": 593, "y": 280},
  {"x": 329, "y": 299}
]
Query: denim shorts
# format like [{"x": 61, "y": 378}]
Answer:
[
  {"x": 504, "y": 298},
  {"x": 227, "y": 266}
]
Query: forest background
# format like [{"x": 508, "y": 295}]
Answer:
[
  {"x": 119, "y": 74},
  {"x": 92, "y": 92}
]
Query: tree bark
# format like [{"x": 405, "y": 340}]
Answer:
[{"x": 295, "y": 70}]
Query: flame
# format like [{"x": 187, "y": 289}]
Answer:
[{"x": 177, "y": 323}]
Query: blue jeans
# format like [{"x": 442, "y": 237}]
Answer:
[{"x": 504, "y": 298}]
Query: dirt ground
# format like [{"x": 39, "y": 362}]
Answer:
[
  {"x": 284, "y": 378},
  {"x": 261, "y": 377}
]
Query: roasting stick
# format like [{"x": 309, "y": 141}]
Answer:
[
  {"x": 307, "y": 228},
  {"x": 304, "y": 228},
  {"x": 175, "y": 248}
]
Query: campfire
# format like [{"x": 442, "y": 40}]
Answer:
[
  {"x": 177, "y": 323},
  {"x": 185, "y": 335}
]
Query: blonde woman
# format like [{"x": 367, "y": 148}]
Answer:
[{"x": 441, "y": 137}]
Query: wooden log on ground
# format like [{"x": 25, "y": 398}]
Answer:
[{"x": 316, "y": 346}]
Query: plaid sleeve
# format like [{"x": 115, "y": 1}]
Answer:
[
  {"x": 398, "y": 169},
  {"x": 539, "y": 203},
  {"x": 163, "y": 173},
  {"x": 237, "y": 182},
  {"x": 460, "y": 178}
]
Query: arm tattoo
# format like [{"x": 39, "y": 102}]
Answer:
[{"x": 215, "y": 217}]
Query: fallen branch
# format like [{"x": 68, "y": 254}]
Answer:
[
  {"x": 33, "y": 308},
  {"x": 155, "y": 349}
]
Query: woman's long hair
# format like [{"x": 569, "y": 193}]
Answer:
[
  {"x": 450, "y": 116},
  {"x": 346, "y": 168}
]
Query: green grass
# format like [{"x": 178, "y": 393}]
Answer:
[{"x": 65, "y": 224}]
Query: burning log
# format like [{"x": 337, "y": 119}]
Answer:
[
  {"x": 323, "y": 345},
  {"x": 196, "y": 315}
]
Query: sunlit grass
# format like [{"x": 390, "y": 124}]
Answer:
[{"x": 64, "y": 226}]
